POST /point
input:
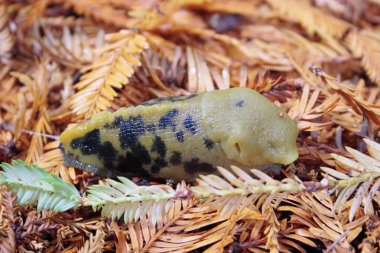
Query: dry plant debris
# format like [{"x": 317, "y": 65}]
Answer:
[{"x": 63, "y": 61}]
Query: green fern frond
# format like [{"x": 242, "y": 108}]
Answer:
[
  {"x": 34, "y": 185},
  {"x": 129, "y": 200}
]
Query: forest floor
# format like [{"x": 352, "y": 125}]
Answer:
[{"x": 61, "y": 62}]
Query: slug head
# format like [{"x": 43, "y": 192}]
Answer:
[
  {"x": 251, "y": 129},
  {"x": 82, "y": 145}
]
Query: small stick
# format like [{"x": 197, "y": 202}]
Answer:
[{"x": 9, "y": 127}]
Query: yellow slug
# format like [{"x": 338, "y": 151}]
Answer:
[{"x": 182, "y": 137}]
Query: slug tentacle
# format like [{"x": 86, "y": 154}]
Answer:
[{"x": 183, "y": 137}]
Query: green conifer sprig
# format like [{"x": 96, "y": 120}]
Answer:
[{"x": 34, "y": 185}]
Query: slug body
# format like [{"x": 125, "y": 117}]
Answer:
[{"x": 182, "y": 137}]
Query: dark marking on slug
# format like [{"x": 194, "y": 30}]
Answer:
[
  {"x": 159, "y": 146},
  {"x": 168, "y": 120},
  {"x": 195, "y": 166},
  {"x": 209, "y": 143},
  {"x": 240, "y": 103},
  {"x": 136, "y": 156},
  {"x": 130, "y": 164},
  {"x": 134, "y": 160},
  {"x": 180, "y": 137},
  {"x": 189, "y": 96},
  {"x": 140, "y": 151},
  {"x": 190, "y": 124},
  {"x": 171, "y": 99},
  {"x": 158, "y": 164},
  {"x": 88, "y": 144},
  {"x": 176, "y": 158},
  {"x": 151, "y": 128},
  {"x": 107, "y": 153},
  {"x": 129, "y": 130}
]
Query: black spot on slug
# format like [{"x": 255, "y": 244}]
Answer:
[
  {"x": 129, "y": 165},
  {"x": 159, "y": 146},
  {"x": 172, "y": 99},
  {"x": 151, "y": 128},
  {"x": 176, "y": 158},
  {"x": 88, "y": 144},
  {"x": 189, "y": 96},
  {"x": 134, "y": 160},
  {"x": 130, "y": 162},
  {"x": 168, "y": 120},
  {"x": 158, "y": 164},
  {"x": 240, "y": 103},
  {"x": 209, "y": 143},
  {"x": 75, "y": 143},
  {"x": 195, "y": 166},
  {"x": 154, "y": 101},
  {"x": 190, "y": 124},
  {"x": 180, "y": 137},
  {"x": 129, "y": 130},
  {"x": 140, "y": 151},
  {"x": 107, "y": 153}
]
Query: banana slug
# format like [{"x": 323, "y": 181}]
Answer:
[{"x": 182, "y": 137}]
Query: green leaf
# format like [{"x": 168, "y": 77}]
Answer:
[{"x": 34, "y": 185}]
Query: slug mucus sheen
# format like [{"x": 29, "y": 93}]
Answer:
[{"x": 182, "y": 137}]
